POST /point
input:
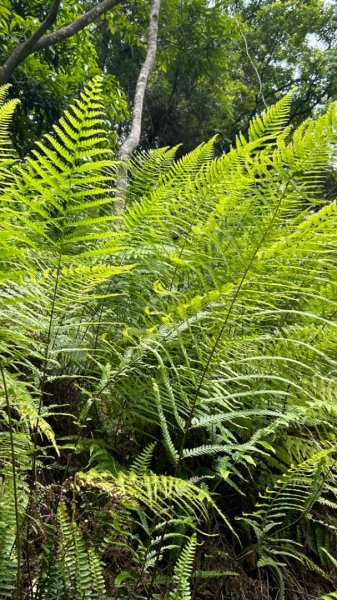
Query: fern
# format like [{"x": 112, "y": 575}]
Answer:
[
  {"x": 7, "y": 156},
  {"x": 290, "y": 501},
  {"x": 183, "y": 571},
  {"x": 13, "y": 505},
  {"x": 74, "y": 569},
  {"x": 201, "y": 321},
  {"x": 161, "y": 495},
  {"x": 8, "y": 557},
  {"x": 142, "y": 463}
]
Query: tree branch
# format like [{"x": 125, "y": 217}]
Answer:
[
  {"x": 38, "y": 40},
  {"x": 133, "y": 138},
  {"x": 69, "y": 30},
  {"x": 28, "y": 46},
  {"x": 252, "y": 62}
]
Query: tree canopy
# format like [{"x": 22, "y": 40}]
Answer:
[{"x": 218, "y": 63}]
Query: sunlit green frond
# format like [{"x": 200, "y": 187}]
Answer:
[
  {"x": 162, "y": 495},
  {"x": 271, "y": 124}
]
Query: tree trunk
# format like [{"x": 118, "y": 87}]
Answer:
[{"x": 133, "y": 138}]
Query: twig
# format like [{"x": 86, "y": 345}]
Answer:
[{"x": 249, "y": 56}]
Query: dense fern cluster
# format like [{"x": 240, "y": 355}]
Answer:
[{"x": 168, "y": 375}]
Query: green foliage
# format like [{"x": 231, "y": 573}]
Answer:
[
  {"x": 75, "y": 571},
  {"x": 286, "y": 505},
  {"x": 8, "y": 530},
  {"x": 183, "y": 571},
  {"x": 170, "y": 371},
  {"x": 205, "y": 79},
  {"x": 218, "y": 61},
  {"x": 8, "y": 564},
  {"x": 48, "y": 80},
  {"x": 6, "y": 152},
  {"x": 57, "y": 199},
  {"x": 13, "y": 500},
  {"x": 165, "y": 497}
]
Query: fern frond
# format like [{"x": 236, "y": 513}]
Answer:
[
  {"x": 272, "y": 122},
  {"x": 171, "y": 450},
  {"x": 7, "y": 154},
  {"x": 80, "y": 569},
  {"x": 143, "y": 460},
  {"x": 160, "y": 494},
  {"x": 183, "y": 571}
]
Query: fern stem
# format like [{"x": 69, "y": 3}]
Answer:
[{"x": 15, "y": 487}]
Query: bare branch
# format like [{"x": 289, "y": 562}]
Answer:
[
  {"x": 133, "y": 138},
  {"x": 252, "y": 62},
  {"x": 69, "y": 30},
  {"x": 28, "y": 46}
]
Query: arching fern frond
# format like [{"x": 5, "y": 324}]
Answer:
[{"x": 162, "y": 495}]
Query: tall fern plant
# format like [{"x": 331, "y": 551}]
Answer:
[
  {"x": 55, "y": 217},
  {"x": 200, "y": 325},
  {"x": 228, "y": 356}
]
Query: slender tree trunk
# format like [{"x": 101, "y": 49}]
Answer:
[{"x": 133, "y": 138}]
